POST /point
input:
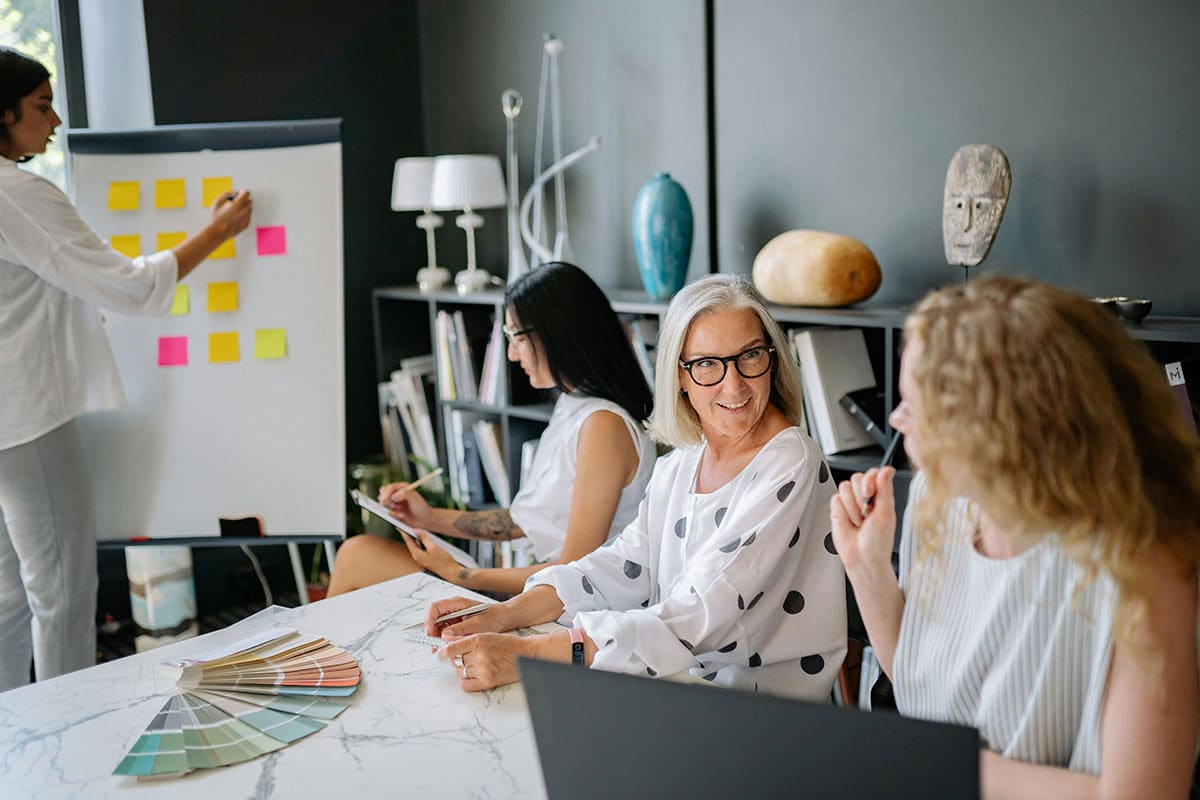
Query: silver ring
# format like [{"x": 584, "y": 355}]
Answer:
[
  {"x": 466, "y": 672},
  {"x": 458, "y": 662}
]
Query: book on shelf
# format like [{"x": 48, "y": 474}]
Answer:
[
  {"x": 833, "y": 362},
  {"x": 462, "y": 359},
  {"x": 494, "y": 359},
  {"x": 456, "y": 457},
  {"x": 411, "y": 390},
  {"x": 492, "y": 456},
  {"x": 867, "y": 406},
  {"x": 1178, "y": 373},
  {"x": 445, "y": 368},
  {"x": 396, "y": 447},
  {"x": 473, "y": 483}
]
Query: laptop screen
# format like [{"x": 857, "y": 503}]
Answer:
[{"x": 601, "y": 734}]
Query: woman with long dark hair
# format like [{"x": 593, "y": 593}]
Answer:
[
  {"x": 591, "y": 466},
  {"x": 55, "y": 364}
]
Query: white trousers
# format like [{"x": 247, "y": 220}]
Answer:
[{"x": 47, "y": 558}]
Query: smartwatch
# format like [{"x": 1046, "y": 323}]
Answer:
[{"x": 577, "y": 646}]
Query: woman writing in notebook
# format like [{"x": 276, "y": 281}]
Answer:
[
  {"x": 725, "y": 573},
  {"x": 1048, "y": 572},
  {"x": 55, "y": 365},
  {"x": 591, "y": 465}
]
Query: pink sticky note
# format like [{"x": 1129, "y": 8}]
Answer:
[
  {"x": 272, "y": 240},
  {"x": 172, "y": 351}
]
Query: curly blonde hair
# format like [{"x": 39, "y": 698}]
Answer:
[{"x": 1069, "y": 425}]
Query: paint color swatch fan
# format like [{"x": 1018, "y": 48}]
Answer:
[{"x": 256, "y": 696}]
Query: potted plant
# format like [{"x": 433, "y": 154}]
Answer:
[{"x": 318, "y": 579}]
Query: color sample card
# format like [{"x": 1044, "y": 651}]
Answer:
[
  {"x": 128, "y": 245},
  {"x": 172, "y": 351},
  {"x": 170, "y": 193},
  {"x": 222, "y": 296},
  {"x": 272, "y": 240},
  {"x": 168, "y": 239},
  {"x": 123, "y": 196},
  {"x": 270, "y": 343},
  {"x": 212, "y": 188},
  {"x": 223, "y": 348},
  {"x": 182, "y": 302},
  {"x": 226, "y": 250},
  {"x": 234, "y": 705}
]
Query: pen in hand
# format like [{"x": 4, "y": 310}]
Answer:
[{"x": 888, "y": 455}]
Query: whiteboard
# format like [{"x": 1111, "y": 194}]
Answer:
[{"x": 253, "y": 436}]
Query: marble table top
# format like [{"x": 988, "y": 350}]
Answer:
[{"x": 412, "y": 732}]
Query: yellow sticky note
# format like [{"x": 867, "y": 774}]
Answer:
[
  {"x": 226, "y": 250},
  {"x": 169, "y": 239},
  {"x": 130, "y": 245},
  {"x": 223, "y": 296},
  {"x": 270, "y": 343},
  {"x": 223, "y": 347},
  {"x": 170, "y": 193},
  {"x": 212, "y": 188},
  {"x": 123, "y": 196},
  {"x": 181, "y": 305}
]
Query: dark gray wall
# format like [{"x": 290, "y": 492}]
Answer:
[
  {"x": 632, "y": 72},
  {"x": 231, "y": 61},
  {"x": 842, "y": 115}
]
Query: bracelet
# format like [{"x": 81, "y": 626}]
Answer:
[{"x": 577, "y": 646}]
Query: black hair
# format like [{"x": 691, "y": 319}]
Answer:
[
  {"x": 19, "y": 76},
  {"x": 583, "y": 341}
]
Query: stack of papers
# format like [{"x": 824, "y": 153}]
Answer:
[{"x": 257, "y": 696}]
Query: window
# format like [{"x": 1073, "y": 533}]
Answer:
[{"x": 31, "y": 26}]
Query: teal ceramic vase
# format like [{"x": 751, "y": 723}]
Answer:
[{"x": 662, "y": 235}]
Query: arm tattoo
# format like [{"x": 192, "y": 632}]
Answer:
[
  {"x": 464, "y": 575},
  {"x": 486, "y": 524}
]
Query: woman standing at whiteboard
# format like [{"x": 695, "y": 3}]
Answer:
[
  {"x": 55, "y": 364},
  {"x": 591, "y": 467}
]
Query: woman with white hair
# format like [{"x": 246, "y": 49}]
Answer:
[{"x": 727, "y": 573}]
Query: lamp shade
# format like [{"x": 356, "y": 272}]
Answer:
[
  {"x": 412, "y": 183},
  {"x": 468, "y": 182}
]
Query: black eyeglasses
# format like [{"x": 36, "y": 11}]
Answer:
[
  {"x": 750, "y": 363},
  {"x": 512, "y": 335}
]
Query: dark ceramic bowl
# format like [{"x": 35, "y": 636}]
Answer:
[
  {"x": 1109, "y": 304},
  {"x": 1132, "y": 309}
]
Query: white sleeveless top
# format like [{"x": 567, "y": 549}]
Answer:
[
  {"x": 543, "y": 505},
  {"x": 1008, "y": 646}
]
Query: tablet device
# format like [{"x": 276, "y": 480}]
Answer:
[{"x": 382, "y": 511}]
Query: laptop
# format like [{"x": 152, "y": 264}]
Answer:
[{"x": 601, "y": 734}]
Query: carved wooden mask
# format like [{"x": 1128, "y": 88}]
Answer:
[{"x": 977, "y": 185}]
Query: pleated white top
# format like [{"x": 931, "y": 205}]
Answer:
[{"x": 1018, "y": 648}]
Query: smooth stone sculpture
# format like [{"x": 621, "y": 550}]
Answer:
[
  {"x": 816, "y": 268},
  {"x": 977, "y": 184}
]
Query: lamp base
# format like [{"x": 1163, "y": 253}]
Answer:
[
  {"x": 472, "y": 280},
  {"x": 430, "y": 279}
]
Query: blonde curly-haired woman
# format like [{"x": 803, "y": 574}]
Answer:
[{"x": 1048, "y": 577}]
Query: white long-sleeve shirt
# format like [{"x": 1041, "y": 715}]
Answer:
[
  {"x": 739, "y": 586},
  {"x": 55, "y": 275}
]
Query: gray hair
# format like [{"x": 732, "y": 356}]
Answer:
[{"x": 674, "y": 421}]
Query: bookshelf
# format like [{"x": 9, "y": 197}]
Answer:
[{"x": 404, "y": 322}]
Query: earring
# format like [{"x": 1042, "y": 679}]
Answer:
[{"x": 683, "y": 392}]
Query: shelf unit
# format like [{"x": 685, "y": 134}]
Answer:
[{"x": 404, "y": 326}]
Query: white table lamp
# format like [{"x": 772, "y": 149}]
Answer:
[
  {"x": 412, "y": 190},
  {"x": 468, "y": 182}
]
